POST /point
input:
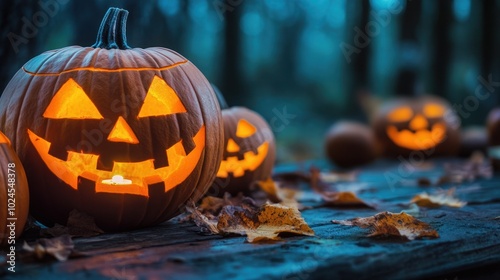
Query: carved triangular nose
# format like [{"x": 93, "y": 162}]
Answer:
[
  {"x": 122, "y": 132},
  {"x": 418, "y": 122}
]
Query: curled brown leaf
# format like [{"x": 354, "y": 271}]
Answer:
[
  {"x": 260, "y": 224},
  {"x": 438, "y": 200},
  {"x": 393, "y": 224}
]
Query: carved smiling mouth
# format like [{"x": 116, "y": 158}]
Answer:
[
  {"x": 249, "y": 162},
  {"x": 421, "y": 139},
  {"x": 141, "y": 174}
]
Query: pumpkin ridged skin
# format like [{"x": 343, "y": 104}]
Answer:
[
  {"x": 447, "y": 147},
  {"x": 117, "y": 81},
  {"x": 7, "y": 155},
  {"x": 243, "y": 184}
]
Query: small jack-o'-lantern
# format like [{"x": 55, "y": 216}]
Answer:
[
  {"x": 14, "y": 193},
  {"x": 425, "y": 124},
  {"x": 126, "y": 135},
  {"x": 249, "y": 151}
]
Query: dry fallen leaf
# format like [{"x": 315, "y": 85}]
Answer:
[
  {"x": 79, "y": 224},
  {"x": 476, "y": 167},
  {"x": 276, "y": 194},
  {"x": 344, "y": 199},
  {"x": 333, "y": 197},
  {"x": 438, "y": 200},
  {"x": 59, "y": 247},
  {"x": 266, "y": 224},
  {"x": 213, "y": 205},
  {"x": 393, "y": 224},
  {"x": 260, "y": 224}
]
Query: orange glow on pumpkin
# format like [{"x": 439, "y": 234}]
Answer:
[
  {"x": 400, "y": 114},
  {"x": 419, "y": 136},
  {"x": 141, "y": 174},
  {"x": 251, "y": 161},
  {"x": 4, "y": 139},
  {"x": 122, "y": 132},
  {"x": 434, "y": 110},
  {"x": 245, "y": 129},
  {"x": 71, "y": 102},
  {"x": 161, "y": 100},
  {"x": 419, "y": 140},
  {"x": 418, "y": 122},
  {"x": 232, "y": 146}
]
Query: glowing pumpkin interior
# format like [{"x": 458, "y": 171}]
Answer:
[
  {"x": 4, "y": 139},
  {"x": 419, "y": 133},
  {"x": 250, "y": 161},
  {"x": 71, "y": 102}
]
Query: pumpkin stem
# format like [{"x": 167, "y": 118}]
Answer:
[{"x": 112, "y": 32}]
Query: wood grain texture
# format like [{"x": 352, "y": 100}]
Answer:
[{"x": 469, "y": 239}]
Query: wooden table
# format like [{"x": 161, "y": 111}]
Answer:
[{"x": 468, "y": 247}]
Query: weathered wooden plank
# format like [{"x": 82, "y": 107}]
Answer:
[{"x": 469, "y": 237}]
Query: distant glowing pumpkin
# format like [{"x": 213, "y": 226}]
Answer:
[{"x": 428, "y": 124}]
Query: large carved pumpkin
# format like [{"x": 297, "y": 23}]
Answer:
[
  {"x": 14, "y": 196},
  {"x": 126, "y": 135},
  {"x": 422, "y": 124}
]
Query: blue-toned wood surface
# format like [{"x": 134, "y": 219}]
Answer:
[{"x": 468, "y": 247}]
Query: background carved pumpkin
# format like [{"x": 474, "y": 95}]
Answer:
[
  {"x": 13, "y": 191},
  {"x": 425, "y": 124},
  {"x": 249, "y": 150},
  {"x": 126, "y": 135}
]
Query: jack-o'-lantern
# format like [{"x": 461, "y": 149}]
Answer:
[
  {"x": 14, "y": 194},
  {"x": 126, "y": 135},
  {"x": 423, "y": 124},
  {"x": 249, "y": 151}
]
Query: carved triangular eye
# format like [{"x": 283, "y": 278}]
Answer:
[
  {"x": 71, "y": 102},
  {"x": 232, "y": 146},
  {"x": 161, "y": 100},
  {"x": 400, "y": 114},
  {"x": 245, "y": 129},
  {"x": 432, "y": 110}
]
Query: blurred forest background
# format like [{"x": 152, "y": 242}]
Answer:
[{"x": 301, "y": 64}]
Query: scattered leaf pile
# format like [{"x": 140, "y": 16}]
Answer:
[
  {"x": 259, "y": 224},
  {"x": 59, "y": 247},
  {"x": 438, "y": 200},
  {"x": 393, "y": 224}
]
